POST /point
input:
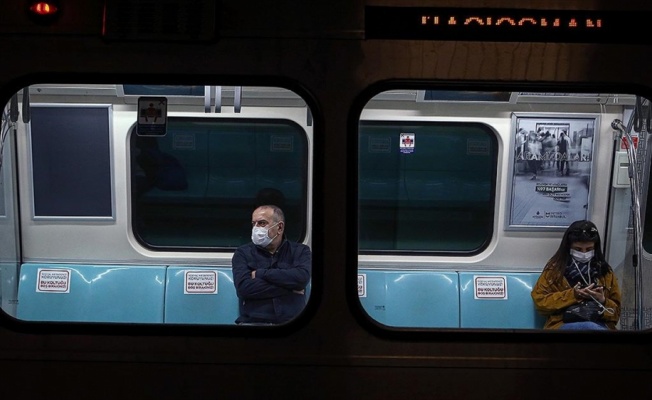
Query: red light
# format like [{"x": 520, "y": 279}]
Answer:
[{"x": 43, "y": 8}]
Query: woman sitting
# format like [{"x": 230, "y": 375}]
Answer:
[{"x": 577, "y": 288}]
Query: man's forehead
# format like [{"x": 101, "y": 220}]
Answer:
[{"x": 262, "y": 213}]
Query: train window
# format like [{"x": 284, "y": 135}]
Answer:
[
  {"x": 441, "y": 174},
  {"x": 92, "y": 213},
  {"x": 418, "y": 179},
  {"x": 647, "y": 224},
  {"x": 196, "y": 186}
]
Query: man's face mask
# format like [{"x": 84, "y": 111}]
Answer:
[
  {"x": 582, "y": 257},
  {"x": 260, "y": 237}
]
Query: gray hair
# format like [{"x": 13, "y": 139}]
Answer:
[{"x": 279, "y": 216}]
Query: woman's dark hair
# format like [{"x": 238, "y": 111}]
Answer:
[{"x": 579, "y": 231}]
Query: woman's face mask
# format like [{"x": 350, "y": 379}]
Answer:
[
  {"x": 581, "y": 256},
  {"x": 260, "y": 237}
]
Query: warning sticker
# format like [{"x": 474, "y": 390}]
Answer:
[
  {"x": 281, "y": 144},
  {"x": 380, "y": 144},
  {"x": 490, "y": 287},
  {"x": 362, "y": 285},
  {"x": 406, "y": 143},
  {"x": 477, "y": 147},
  {"x": 624, "y": 143},
  {"x": 184, "y": 141},
  {"x": 152, "y": 116},
  {"x": 200, "y": 282},
  {"x": 53, "y": 280}
]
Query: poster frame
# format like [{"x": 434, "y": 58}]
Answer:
[{"x": 561, "y": 221}]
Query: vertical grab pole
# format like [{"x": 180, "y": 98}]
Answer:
[
  {"x": 207, "y": 99},
  {"x": 636, "y": 221},
  {"x": 8, "y": 121}
]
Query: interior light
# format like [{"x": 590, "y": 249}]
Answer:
[
  {"x": 43, "y": 8},
  {"x": 44, "y": 12}
]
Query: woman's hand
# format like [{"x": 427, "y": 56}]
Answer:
[
  {"x": 597, "y": 292},
  {"x": 591, "y": 291}
]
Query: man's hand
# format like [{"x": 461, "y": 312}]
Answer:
[{"x": 253, "y": 274}]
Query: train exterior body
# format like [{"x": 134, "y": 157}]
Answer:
[{"x": 400, "y": 164}]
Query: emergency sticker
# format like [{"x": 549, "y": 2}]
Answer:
[
  {"x": 380, "y": 144},
  {"x": 200, "y": 282},
  {"x": 477, "y": 147},
  {"x": 406, "y": 143},
  {"x": 184, "y": 141},
  {"x": 490, "y": 287},
  {"x": 53, "y": 280},
  {"x": 283, "y": 144},
  {"x": 624, "y": 143},
  {"x": 152, "y": 116},
  {"x": 362, "y": 285}
]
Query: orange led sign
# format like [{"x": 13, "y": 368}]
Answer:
[{"x": 516, "y": 25}]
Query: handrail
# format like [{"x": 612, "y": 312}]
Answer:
[{"x": 636, "y": 221}]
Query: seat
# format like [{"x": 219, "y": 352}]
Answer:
[
  {"x": 212, "y": 301},
  {"x": 418, "y": 299},
  {"x": 498, "y": 300},
  {"x": 91, "y": 293}
]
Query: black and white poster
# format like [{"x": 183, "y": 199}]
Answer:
[{"x": 551, "y": 173}]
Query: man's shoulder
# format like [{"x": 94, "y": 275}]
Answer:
[
  {"x": 246, "y": 245},
  {"x": 296, "y": 246},
  {"x": 245, "y": 248}
]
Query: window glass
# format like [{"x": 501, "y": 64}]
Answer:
[
  {"x": 197, "y": 185},
  {"x": 418, "y": 180},
  {"x": 647, "y": 228}
]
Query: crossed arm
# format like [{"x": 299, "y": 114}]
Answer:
[{"x": 260, "y": 282}]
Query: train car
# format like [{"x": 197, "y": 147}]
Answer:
[{"x": 431, "y": 155}]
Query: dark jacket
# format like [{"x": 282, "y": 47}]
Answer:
[{"x": 272, "y": 297}]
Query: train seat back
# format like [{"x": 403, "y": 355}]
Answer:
[
  {"x": 427, "y": 297},
  {"x": 449, "y": 299},
  {"x": 411, "y": 298},
  {"x": 498, "y": 300},
  {"x": 200, "y": 295},
  {"x": 372, "y": 292},
  {"x": 8, "y": 287},
  {"x": 91, "y": 293}
]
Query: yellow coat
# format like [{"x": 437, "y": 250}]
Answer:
[{"x": 552, "y": 294}]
